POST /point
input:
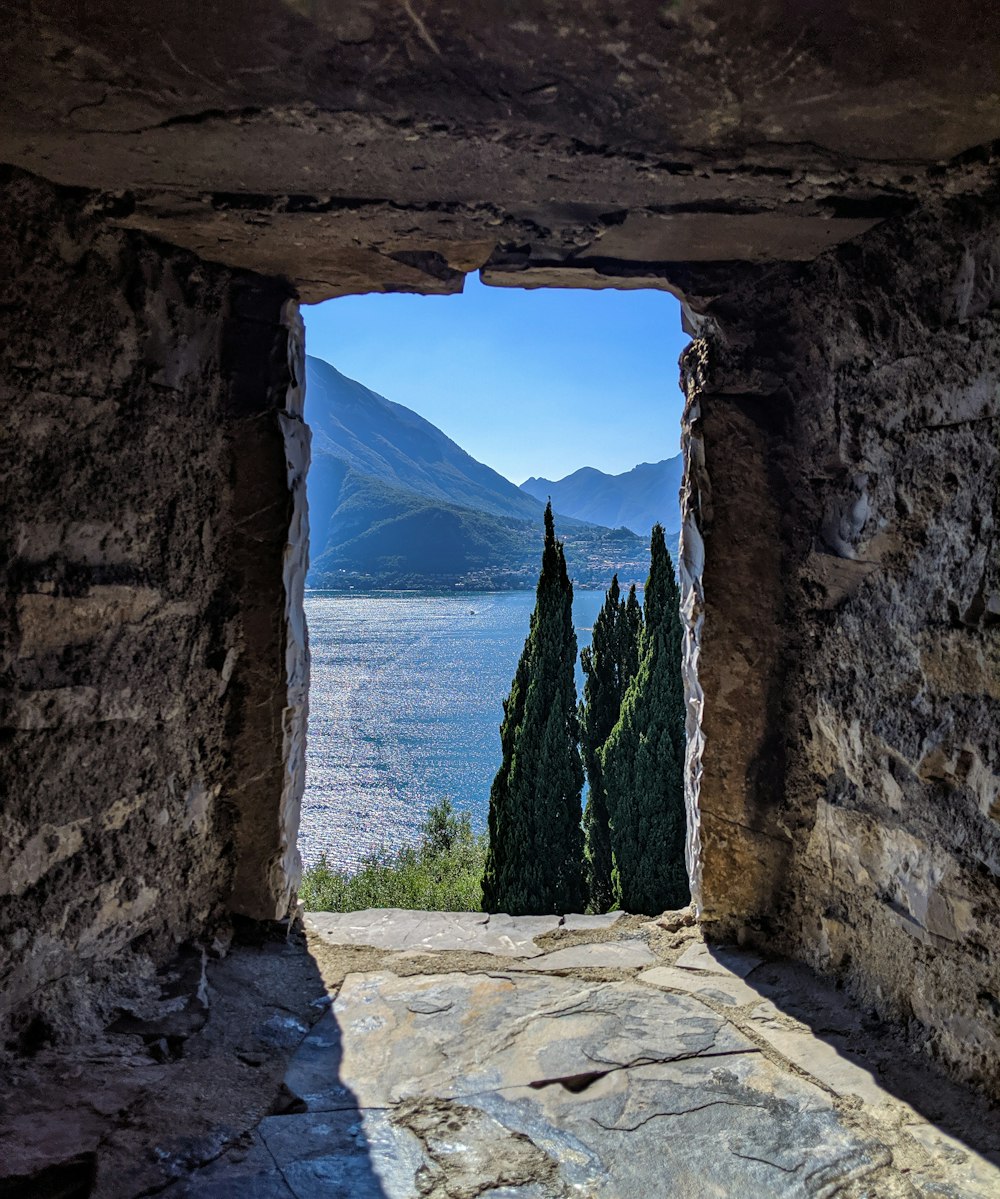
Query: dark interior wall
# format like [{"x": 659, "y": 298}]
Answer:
[
  {"x": 144, "y": 623},
  {"x": 843, "y": 439}
]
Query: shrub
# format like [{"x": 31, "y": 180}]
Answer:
[{"x": 442, "y": 873}]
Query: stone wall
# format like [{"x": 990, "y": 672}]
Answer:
[
  {"x": 145, "y": 591},
  {"x": 842, "y": 587}
]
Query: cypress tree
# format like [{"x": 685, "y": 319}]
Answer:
[
  {"x": 534, "y": 863},
  {"x": 609, "y": 663},
  {"x": 631, "y": 637},
  {"x": 643, "y": 758}
]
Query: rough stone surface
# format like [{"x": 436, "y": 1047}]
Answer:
[
  {"x": 600, "y": 955},
  {"x": 722, "y": 988},
  {"x": 718, "y": 959},
  {"x": 140, "y": 393},
  {"x": 188, "y": 1071},
  {"x": 736, "y": 1128},
  {"x": 837, "y": 1114},
  {"x": 817, "y": 182},
  {"x": 473, "y": 932},
  {"x": 826, "y": 1059},
  {"x": 529, "y": 1030},
  {"x": 269, "y": 756},
  {"x": 429, "y": 1078},
  {"x": 400, "y": 145},
  {"x": 843, "y": 596},
  {"x": 582, "y": 923}
]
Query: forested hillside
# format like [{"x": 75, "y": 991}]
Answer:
[{"x": 394, "y": 502}]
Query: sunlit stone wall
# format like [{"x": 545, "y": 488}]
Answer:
[
  {"x": 149, "y": 574},
  {"x": 843, "y": 446}
]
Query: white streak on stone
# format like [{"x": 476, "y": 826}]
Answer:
[
  {"x": 295, "y": 567},
  {"x": 690, "y": 568}
]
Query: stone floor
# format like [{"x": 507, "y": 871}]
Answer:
[{"x": 458, "y": 1056}]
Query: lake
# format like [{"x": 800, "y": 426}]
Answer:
[{"x": 405, "y": 707}]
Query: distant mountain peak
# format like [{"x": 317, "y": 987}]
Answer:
[
  {"x": 635, "y": 499},
  {"x": 398, "y": 446}
]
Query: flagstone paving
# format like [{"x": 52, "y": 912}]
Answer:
[{"x": 465, "y": 1056}]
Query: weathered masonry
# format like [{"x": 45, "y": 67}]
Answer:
[{"x": 820, "y": 185}]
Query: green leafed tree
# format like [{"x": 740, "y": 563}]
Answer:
[
  {"x": 643, "y": 758},
  {"x": 609, "y": 663},
  {"x": 534, "y": 863}
]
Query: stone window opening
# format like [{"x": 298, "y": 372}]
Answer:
[
  {"x": 822, "y": 191},
  {"x": 400, "y": 784}
]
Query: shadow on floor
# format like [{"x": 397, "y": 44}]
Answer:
[
  {"x": 188, "y": 1099},
  {"x": 861, "y": 1058},
  {"x": 245, "y": 1097}
]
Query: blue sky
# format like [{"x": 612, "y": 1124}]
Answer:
[{"x": 529, "y": 382}]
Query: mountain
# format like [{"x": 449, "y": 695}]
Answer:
[
  {"x": 386, "y": 441},
  {"x": 636, "y": 499},
  {"x": 395, "y": 503}
]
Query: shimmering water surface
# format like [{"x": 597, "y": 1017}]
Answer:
[{"x": 405, "y": 706}]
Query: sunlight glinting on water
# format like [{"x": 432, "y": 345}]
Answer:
[{"x": 405, "y": 706}]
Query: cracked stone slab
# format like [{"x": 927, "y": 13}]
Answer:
[
  {"x": 513, "y": 1084},
  {"x": 536, "y": 1087},
  {"x": 622, "y": 955},
  {"x": 823, "y": 1057},
  {"x": 349, "y": 1154},
  {"x": 718, "y": 959},
  {"x": 704, "y": 1127},
  {"x": 457, "y": 1034},
  {"x": 469, "y": 932},
  {"x": 242, "y": 1173},
  {"x": 980, "y": 1175},
  {"x": 722, "y": 988},
  {"x": 355, "y": 1154},
  {"x": 725, "y": 1126}
]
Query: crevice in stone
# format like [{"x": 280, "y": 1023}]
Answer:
[
  {"x": 580, "y": 1082},
  {"x": 87, "y": 104},
  {"x": 770, "y": 836},
  {"x": 749, "y": 1157},
  {"x": 207, "y": 114},
  {"x": 571, "y": 1082},
  {"x": 277, "y": 1165},
  {"x": 880, "y": 207},
  {"x": 685, "y": 1111}
]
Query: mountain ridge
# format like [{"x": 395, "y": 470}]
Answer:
[
  {"x": 404, "y": 458},
  {"x": 394, "y": 502},
  {"x": 635, "y": 499}
]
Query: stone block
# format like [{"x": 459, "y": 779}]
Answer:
[
  {"x": 404, "y": 1037},
  {"x": 718, "y": 959},
  {"x": 722, "y": 988},
  {"x": 824, "y": 1058},
  {"x": 469, "y": 932},
  {"x": 621, "y": 955}
]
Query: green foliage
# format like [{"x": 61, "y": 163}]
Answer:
[
  {"x": 394, "y": 503},
  {"x": 400, "y": 538},
  {"x": 631, "y": 634},
  {"x": 443, "y": 873},
  {"x": 387, "y": 530},
  {"x": 643, "y": 759},
  {"x": 535, "y": 854},
  {"x": 609, "y": 664}
]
